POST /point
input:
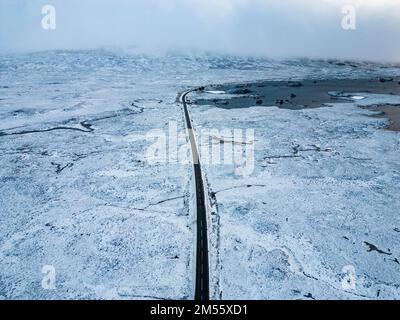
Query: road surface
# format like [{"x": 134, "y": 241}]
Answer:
[{"x": 202, "y": 272}]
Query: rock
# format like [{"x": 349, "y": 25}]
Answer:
[
  {"x": 295, "y": 84},
  {"x": 242, "y": 91}
]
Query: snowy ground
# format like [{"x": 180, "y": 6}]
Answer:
[
  {"x": 87, "y": 202},
  {"x": 321, "y": 205},
  {"x": 77, "y": 192}
]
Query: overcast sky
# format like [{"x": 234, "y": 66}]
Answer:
[{"x": 272, "y": 28}]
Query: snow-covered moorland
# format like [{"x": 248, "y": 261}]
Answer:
[
  {"x": 319, "y": 216},
  {"x": 78, "y": 194}
]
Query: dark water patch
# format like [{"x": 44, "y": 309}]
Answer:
[
  {"x": 372, "y": 247},
  {"x": 294, "y": 95},
  {"x": 24, "y": 132},
  {"x": 87, "y": 125},
  {"x": 309, "y": 296},
  {"x": 60, "y": 168}
]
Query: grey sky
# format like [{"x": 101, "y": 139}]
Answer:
[{"x": 273, "y": 28}]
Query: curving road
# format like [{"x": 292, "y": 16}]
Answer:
[{"x": 202, "y": 272}]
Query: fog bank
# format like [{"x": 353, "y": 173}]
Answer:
[{"x": 271, "y": 28}]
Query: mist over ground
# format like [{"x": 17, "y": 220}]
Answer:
[{"x": 270, "y": 28}]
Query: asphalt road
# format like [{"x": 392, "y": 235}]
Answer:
[{"x": 202, "y": 270}]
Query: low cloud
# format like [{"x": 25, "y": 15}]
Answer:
[{"x": 272, "y": 28}]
